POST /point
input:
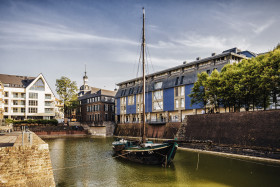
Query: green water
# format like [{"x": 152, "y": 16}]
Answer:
[{"x": 89, "y": 162}]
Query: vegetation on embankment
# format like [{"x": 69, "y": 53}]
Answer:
[{"x": 32, "y": 122}]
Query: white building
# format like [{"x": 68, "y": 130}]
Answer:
[{"x": 27, "y": 97}]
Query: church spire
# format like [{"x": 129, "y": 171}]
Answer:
[{"x": 85, "y": 78}]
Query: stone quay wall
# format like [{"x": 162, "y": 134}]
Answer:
[
  {"x": 258, "y": 129},
  {"x": 246, "y": 129},
  {"x": 27, "y": 163},
  {"x": 166, "y": 131}
]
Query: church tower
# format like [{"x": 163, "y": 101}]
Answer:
[{"x": 85, "y": 87}]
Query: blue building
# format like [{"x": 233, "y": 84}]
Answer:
[{"x": 167, "y": 91}]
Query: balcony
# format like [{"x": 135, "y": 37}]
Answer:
[{"x": 156, "y": 122}]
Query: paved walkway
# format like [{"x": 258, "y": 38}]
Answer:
[{"x": 8, "y": 139}]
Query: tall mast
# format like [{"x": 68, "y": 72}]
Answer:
[{"x": 144, "y": 79}]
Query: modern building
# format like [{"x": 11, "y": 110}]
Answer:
[
  {"x": 167, "y": 91},
  {"x": 27, "y": 97},
  {"x": 96, "y": 105}
]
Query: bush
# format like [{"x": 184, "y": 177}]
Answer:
[
  {"x": 9, "y": 121},
  {"x": 31, "y": 122}
]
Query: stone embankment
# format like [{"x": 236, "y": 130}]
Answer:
[
  {"x": 251, "y": 133},
  {"x": 25, "y": 161}
]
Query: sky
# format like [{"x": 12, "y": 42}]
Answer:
[{"x": 60, "y": 37}]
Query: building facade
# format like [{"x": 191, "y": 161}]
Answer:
[
  {"x": 1, "y": 101},
  {"x": 96, "y": 105},
  {"x": 27, "y": 97},
  {"x": 59, "y": 108},
  {"x": 167, "y": 91}
]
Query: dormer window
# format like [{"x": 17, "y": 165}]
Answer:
[
  {"x": 158, "y": 85},
  {"x": 38, "y": 85}
]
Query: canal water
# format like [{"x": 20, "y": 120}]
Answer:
[{"x": 89, "y": 162}]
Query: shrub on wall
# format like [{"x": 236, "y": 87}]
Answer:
[{"x": 31, "y": 122}]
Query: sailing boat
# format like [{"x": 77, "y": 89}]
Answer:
[{"x": 145, "y": 152}]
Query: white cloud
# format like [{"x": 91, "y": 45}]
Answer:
[
  {"x": 28, "y": 32},
  {"x": 258, "y": 28}
]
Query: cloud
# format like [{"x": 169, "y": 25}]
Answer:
[
  {"x": 258, "y": 28},
  {"x": 28, "y": 32}
]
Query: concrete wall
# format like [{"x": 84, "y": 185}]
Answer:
[
  {"x": 28, "y": 165},
  {"x": 106, "y": 129},
  {"x": 97, "y": 131}
]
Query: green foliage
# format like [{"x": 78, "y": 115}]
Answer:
[
  {"x": 9, "y": 121},
  {"x": 198, "y": 91},
  {"x": 249, "y": 84},
  {"x": 31, "y": 122},
  {"x": 67, "y": 91}
]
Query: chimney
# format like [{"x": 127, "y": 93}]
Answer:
[
  {"x": 184, "y": 62},
  {"x": 198, "y": 58},
  {"x": 213, "y": 54}
]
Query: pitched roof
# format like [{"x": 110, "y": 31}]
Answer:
[{"x": 16, "y": 80}]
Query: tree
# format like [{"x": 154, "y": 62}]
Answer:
[
  {"x": 67, "y": 91},
  {"x": 212, "y": 89},
  {"x": 198, "y": 90}
]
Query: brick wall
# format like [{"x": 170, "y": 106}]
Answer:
[
  {"x": 259, "y": 129},
  {"x": 28, "y": 165},
  {"x": 246, "y": 129},
  {"x": 167, "y": 131}
]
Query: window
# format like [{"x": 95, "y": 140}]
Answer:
[
  {"x": 38, "y": 85},
  {"x": 33, "y": 103},
  {"x": 182, "y": 90},
  {"x": 106, "y": 107},
  {"x": 48, "y": 103},
  {"x": 158, "y": 85},
  {"x": 130, "y": 90},
  {"x": 177, "y": 81},
  {"x": 6, "y": 94},
  {"x": 182, "y": 103},
  {"x": 6, "y": 109},
  {"x": 138, "y": 107},
  {"x": 32, "y": 110},
  {"x": 158, "y": 105},
  {"x": 6, "y": 101},
  {"x": 15, "y": 95},
  {"x": 15, "y": 102},
  {"x": 106, "y": 117},
  {"x": 22, "y": 110},
  {"x": 22, "y": 102},
  {"x": 182, "y": 80},
  {"x": 176, "y": 92},
  {"x": 23, "y": 95},
  {"x": 48, "y": 96},
  {"x": 158, "y": 95},
  {"x": 15, "y": 110},
  {"x": 33, "y": 95},
  {"x": 48, "y": 110},
  {"x": 176, "y": 103},
  {"x": 208, "y": 72},
  {"x": 131, "y": 100}
]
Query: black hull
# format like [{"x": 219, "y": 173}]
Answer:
[{"x": 159, "y": 156}]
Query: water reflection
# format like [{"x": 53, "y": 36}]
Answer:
[{"x": 89, "y": 162}]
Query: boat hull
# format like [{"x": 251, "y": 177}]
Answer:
[{"x": 158, "y": 155}]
